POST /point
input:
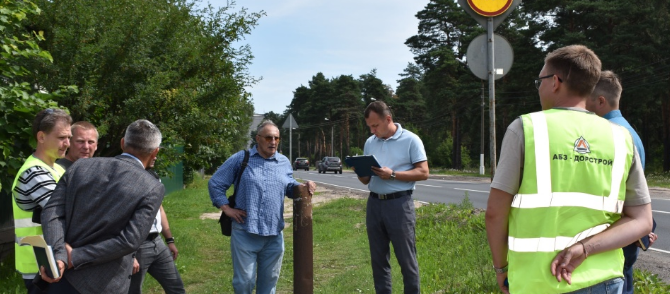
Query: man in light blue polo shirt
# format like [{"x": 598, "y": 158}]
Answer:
[{"x": 390, "y": 213}]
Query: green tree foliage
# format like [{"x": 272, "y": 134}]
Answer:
[
  {"x": 20, "y": 99},
  {"x": 168, "y": 61}
]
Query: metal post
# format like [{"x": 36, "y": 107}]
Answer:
[
  {"x": 332, "y": 144},
  {"x": 290, "y": 141},
  {"x": 481, "y": 145},
  {"x": 492, "y": 95},
  {"x": 303, "y": 254}
]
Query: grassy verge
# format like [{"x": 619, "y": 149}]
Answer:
[
  {"x": 451, "y": 243},
  {"x": 658, "y": 179},
  {"x": 459, "y": 172}
]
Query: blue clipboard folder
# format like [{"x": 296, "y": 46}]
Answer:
[{"x": 363, "y": 164}]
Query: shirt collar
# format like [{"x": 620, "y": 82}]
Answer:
[
  {"x": 254, "y": 151},
  {"x": 395, "y": 136},
  {"x": 133, "y": 156},
  {"x": 612, "y": 114}
]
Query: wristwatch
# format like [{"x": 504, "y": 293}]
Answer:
[
  {"x": 393, "y": 175},
  {"x": 500, "y": 270}
]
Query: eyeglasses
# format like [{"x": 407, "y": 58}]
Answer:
[
  {"x": 538, "y": 81},
  {"x": 47, "y": 112},
  {"x": 270, "y": 138}
]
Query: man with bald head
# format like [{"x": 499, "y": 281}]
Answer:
[{"x": 83, "y": 143}]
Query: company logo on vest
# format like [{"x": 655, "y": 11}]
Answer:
[{"x": 582, "y": 146}]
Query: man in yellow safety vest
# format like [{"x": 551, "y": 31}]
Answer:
[
  {"x": 34, "y": 183},
  {"x": 569, "y": 190}
]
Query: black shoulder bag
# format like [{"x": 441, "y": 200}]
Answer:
[{"x": 224, "y": 220}]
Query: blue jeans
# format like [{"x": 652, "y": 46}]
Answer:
[
  {"x": 256, "y": 261},
  {"x": 613, "y": 286}
]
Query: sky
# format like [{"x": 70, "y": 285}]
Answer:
[{"x": 299, "y": 38}]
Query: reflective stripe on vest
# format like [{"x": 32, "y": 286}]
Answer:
[
  {"x": 551, "y": 244},
  {"x": 23, "y": 223},
  {"x": 564, "y": 197}
]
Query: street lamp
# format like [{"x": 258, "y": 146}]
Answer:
[{"x": 331, "y": 138}]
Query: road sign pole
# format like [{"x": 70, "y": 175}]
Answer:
[
  {"x": 481, "y": 145},
  {"x": 492, "y": 95}
]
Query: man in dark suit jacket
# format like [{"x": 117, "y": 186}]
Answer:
[{"x": 100, "y": 213}]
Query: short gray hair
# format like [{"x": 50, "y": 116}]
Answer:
[
  {"x": 609, "y": 87},
  {"x": 265, "y": 123},
  {"x": 142, "y": 136}
]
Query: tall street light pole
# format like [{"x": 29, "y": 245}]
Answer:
[{"x": 332, "y": 145}]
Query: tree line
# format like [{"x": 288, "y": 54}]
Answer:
[{"x": 440, "y": 99}]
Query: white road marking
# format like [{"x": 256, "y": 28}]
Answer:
[
  {"x": 659, "y": 250},
  {"x": 429, "y": 185},
  {"x": 471, "y": 190},
  {"x": 660, "y": 211}
]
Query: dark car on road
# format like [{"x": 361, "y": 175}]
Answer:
[
  {"x": 330, "y": 164},
  {"x": 301, "y": 163}
]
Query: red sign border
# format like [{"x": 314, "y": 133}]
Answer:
[{"x": 490, "y": 14}]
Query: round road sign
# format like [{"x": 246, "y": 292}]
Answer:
[
  {"x": 477, "y": 57},
  {"x": 490, "y": 8}
]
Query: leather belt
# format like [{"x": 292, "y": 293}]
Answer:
[
  {"x": 152, "y": 236},
  {"x": 391, "y": 196}
]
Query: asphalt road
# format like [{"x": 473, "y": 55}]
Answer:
[{"x": 446, "y": 191}]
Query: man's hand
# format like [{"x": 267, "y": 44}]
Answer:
[
  {"x": 567, "y": 261},
  {"x": 311, "y": 187},
  {"x": 500, "y": 278},
  {"x": 652, "y": 238},
  {"x": 136, "y": 266},
  {"x": 236, "y": 214},
  {"x": 382, "y": 172},
  {"x": 173, "y": 249},
  {"x": 68, "y": 248},
  {"x": 45, "y": 277}
]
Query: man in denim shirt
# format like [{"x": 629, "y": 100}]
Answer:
[{"x": 257, "y": 242}]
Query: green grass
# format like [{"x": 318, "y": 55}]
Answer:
[
  {"x": 460, "y": 172},
  {"x": 451, "y": 244},
  {"x": 658, "y": 179}
]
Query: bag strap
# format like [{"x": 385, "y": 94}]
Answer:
[{"x": 243, "y": 166}]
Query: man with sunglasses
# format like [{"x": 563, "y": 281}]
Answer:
[
  {"x": 569, "y": 190},
  {"x": 257, "y": 242},
  {"x": 34, "y": 184}
]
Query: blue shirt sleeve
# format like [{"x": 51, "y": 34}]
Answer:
[
  {"x": 416, "y": 150},
  {"x": 223, "y": 178}
]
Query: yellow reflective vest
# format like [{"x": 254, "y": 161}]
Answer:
[
  {"x": 23, "y": 224},
  {"x": 573, "y": 187}
]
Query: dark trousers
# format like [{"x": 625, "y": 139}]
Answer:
[
  {"x": 156, "y": 259},
  {"x": 392, "y": 221},
  {"x": 62, "y": 287},
  {"x": 34, "y": 289},
  {"x": 630, "y": 254}
]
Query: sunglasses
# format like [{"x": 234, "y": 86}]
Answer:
[
  {"x": 269, "y": 139},
  {"x": 47, "y": 113}
]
